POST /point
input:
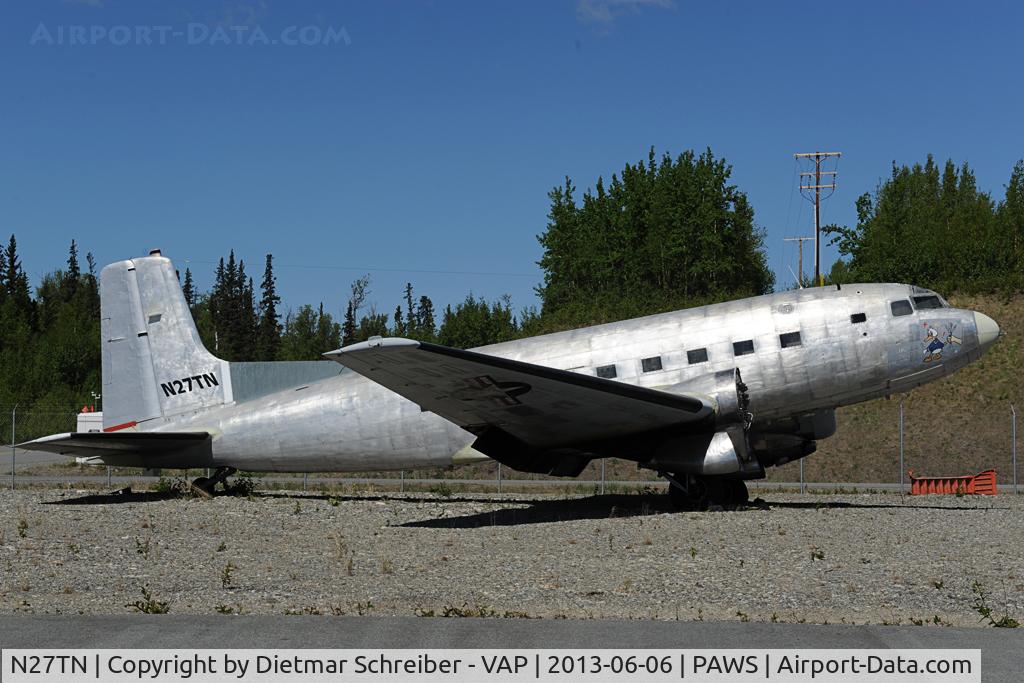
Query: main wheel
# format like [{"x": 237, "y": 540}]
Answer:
[
  {"x": 738, "y": 492},
  {"x": 694, "y": 498}
]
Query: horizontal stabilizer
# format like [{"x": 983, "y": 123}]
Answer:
[{"x": 101, "y": 444}]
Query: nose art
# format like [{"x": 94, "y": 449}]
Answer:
[{"x": 988, "y": 330}]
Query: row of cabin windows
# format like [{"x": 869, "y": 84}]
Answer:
[{"x": 741, "y": 348}]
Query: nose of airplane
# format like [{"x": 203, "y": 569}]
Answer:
[{"x": 988, "y": 329}]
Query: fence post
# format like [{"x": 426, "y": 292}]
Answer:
[
  {"x": 803, "y": 487},
  {"x": 108, "y": 476},
  {"x": 901, "y": 446},
  {"x": 305, "y": 480},
  {"x": 499, "y": 477},
  {"x": 14, "y": 415},
  {"x": 1013, "y": 446},
  {"x": 602, "y": 476},
  {"x": 401, "y": 484}
]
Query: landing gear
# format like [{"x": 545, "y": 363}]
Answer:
[
  {"x": 690, "y": 492},
  {"x": 208, "y": 484}
]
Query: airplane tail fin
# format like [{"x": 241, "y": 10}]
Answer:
[{"x": 154, "y": 363}]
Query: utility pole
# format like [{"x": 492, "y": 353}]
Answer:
[
  {"x": 800, "y": 259},
  {"x": 817, "y": 186}
]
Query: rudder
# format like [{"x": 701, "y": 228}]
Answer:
[{"x": 154, "y": 363}]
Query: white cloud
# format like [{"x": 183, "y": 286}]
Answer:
[{"x": 605, "y": 11}]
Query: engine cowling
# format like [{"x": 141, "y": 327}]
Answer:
[{"x": 725, "y": 391}]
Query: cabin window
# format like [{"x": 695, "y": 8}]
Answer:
[
  {"x": 858, "y": 318},
  {"x": 790, "y": 339},
  {"x": 742, "y": 348},
  {"x": 694, "y": 356},
  {"x": 651, "y": 364},
  {"x": 922, "y": 302},
  {"x": 901, "y": 307},
  {"x": 607, "y": 372}
]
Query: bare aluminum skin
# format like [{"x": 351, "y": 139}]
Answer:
[{"x": 333, "y": 419}]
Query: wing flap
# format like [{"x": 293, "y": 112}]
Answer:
[{"x": 542, "y": 407}]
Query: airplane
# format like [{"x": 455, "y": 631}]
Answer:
[{"x": 708, "y": 397}]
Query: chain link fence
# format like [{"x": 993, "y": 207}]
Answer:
[{"x": 875, "y": 448}]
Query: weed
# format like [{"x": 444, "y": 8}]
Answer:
[
  {"x": 817, "y": 553},
  {"x": 981, "y": 607},
  {"x": 73, "y": 548},
  {"x": 744, "y": 617},
  {"x": 937, "y": 584},
  {"x": 222, "y": 547},
  {"x": 333, "y": 502},
  {"x": 241, "y": 486},
  {"x": 227, "y": 575},
  {"x": 148, "y": 604},
  {"x": 693, "y": 553},
  {"x": 477, "y": 611},
  {"x": 917, "y": 622},
  {"x": 177, "y": 486},
  {"x": 442, "y": 490},
  {"x": 298, "y": 508},
  {"x": 351, "y": 566},
  {"x": 142, "y": 547},
  {"x": 364, "y": 608},
  {"x": 22, "y": 527},
  {"x": 387, "y": 566},
  {"x": 224, "y": 609}
]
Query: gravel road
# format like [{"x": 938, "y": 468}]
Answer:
[{"x": 871, "y": 558}]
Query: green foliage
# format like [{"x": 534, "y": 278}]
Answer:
[
  {"x": 49, "y": 345},
  {"x": 665, "y": 234},
  {"x": 935, "y": 229},
  {"x": 268, "y": 330},
  {"x": 148, "y": 604},
  {"x": 308, "y": 334},
  {"x": 474, "y": 322}
]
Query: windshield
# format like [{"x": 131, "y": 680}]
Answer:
[{"x": 929, "y": 301}]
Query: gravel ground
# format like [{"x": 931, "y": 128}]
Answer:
[{"x": 871, "y": 558}]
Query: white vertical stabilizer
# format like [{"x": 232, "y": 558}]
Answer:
[{"x": 154, "y": 363}]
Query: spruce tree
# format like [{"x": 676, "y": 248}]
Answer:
[
  {"x": 268, "y": 336},
  {"x": 188, "y": 289}
]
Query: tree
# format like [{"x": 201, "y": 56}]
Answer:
[
  {"x": 357, "y": 297},
  {"x": 665, "y": 234},
  {"x": 928, "y": 227},
  {"x": 268, "y": 334},
  {"x": 188, "y": 289},
  {"x": 73, "y": 276},
  {"x": 474, "y": 322},
  {"x": 425, "y": 326},
  {"x": 16, "y": 283}
]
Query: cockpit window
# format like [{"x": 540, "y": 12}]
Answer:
[
  {"x": 901, "y": 307},
  {"x": 931, "y": 301}
]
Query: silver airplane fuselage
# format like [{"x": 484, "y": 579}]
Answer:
[{"x": 801, "y": 354}]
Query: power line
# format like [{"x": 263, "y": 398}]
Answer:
[
  {"x": 374, "y": 269},
  {"x": 817, "y": 185}
]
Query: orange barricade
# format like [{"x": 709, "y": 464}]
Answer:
[{"x": 981, "y": 484}]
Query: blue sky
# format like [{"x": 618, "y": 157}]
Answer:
[{"x": 420, "y": 143}]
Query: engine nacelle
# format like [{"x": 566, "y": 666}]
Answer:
[
  {"x": 725, "y": 391},
  {"x": 726, "y": 451}
]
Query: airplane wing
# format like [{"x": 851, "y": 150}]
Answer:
[
  {"x": 541, "y": 408},
  {"x": 105, "y": 444}
]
